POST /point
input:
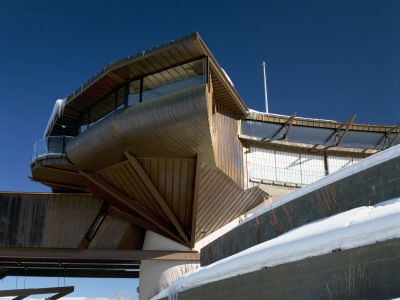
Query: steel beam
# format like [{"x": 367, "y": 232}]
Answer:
[
  {"x": 92, "y": 255},
  {"x": 27, "y": 292}
]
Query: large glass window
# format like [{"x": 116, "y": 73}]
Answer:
[
  {"x": 316, "y": 135},
  {"x": 149, "y": 87}
]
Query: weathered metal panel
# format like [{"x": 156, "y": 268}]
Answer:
[{"x": 45, "y": 220}]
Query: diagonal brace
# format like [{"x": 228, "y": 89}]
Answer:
[{"x": 157, "y": 196}]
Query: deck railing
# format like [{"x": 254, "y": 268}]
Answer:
[{"x": 51, "y": 145}]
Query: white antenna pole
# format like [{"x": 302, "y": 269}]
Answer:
[{"x": 265, "y": 88}]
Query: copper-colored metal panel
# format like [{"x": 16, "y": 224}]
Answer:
[
  {"x": 221, "y": 200},
  {"x": 229, "y": 151},
  {"x": 174, "y": 125},
  {"x": 45, "y": 220},
  {"x": 133, "y": 238}
]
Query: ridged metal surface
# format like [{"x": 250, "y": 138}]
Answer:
[
  {"x": 175, "y": 125},
  {"x": 45, "y": 220},
  {"x": 42, "y": 220},
  {"x": 221, "y": 200},
  {"x": 174, "y": 179}
]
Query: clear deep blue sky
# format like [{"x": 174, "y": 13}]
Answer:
[{"x": 325, "y": 59}]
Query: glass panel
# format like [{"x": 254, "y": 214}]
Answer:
[
  {"x": 50, "y": 145},
  {"x": 386, "y": 142},
  {"x": 84, "y": 121},
  {"x": 262, "y": 129},
  {"x": 120, "y": 98},
  {"x": 174, "y": 79},
  {"x": 310, "y": 135},
  {"x": 360, "y": 139},
  {"x": 102, "y": 109},
  {"x": 154, "y": 91},
  {"x": 55, "y": 144},
  {"x": 134, "y": 92}
]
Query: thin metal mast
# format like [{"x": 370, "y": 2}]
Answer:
[{"x": 265, "y": 88}]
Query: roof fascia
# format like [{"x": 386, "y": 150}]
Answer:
[
  {"x": 119, "y": 64},
  {"x": 216, "y": 68}
]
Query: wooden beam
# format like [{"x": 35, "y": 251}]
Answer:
[
  {"x": 134, "y": 219},
  {"x": 79, "y": 273},
  {"x": 27, "y": 292},
  {"x": 289, "y": 123},
  {"x": 337, "y": 130},
  {"x": 157, "y": 196},
  {"x": 92, "y": 255},
  {"x": 69, "y": 172},
  {"x": 346, "y": 130},
  {"x": 394, "y": 140},
  {"x": 12, "y": 265},
  {"x": 51, "y": 183},
  {"x": 118, "y": 197}
]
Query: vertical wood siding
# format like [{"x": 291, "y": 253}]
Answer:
[
  {"x": 221, "y": 200},
  {"x": 229, "y": 154},
  {"x": 174, "y": 179},
  {"x": 45, "y": 220}
]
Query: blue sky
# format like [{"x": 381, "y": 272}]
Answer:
[{"x": 325, "y": 59}]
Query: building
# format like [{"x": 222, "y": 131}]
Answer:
[{"x": 155, "y": 153}]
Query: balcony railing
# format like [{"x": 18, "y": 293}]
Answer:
[{"x": 51, "y": 145}]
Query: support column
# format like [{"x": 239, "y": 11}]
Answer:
[{"x": 155, "y": 275}]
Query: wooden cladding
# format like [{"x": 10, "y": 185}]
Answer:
[
  {"x": 229, "y": 152},
  {"x": 174, "y": 179},
  {"x": 221, "y": 200},
  {"x": 45, "y": 220}
]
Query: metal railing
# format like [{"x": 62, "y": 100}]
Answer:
[
  {"x": 285, "y": 174},
  {"x": 51, "y": 145}
]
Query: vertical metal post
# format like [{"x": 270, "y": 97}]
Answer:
[
  {"x": 326, "y": 164},
  {"x": 116, "y": 99},
  {"x": 88, "y": 119},
  {"x": 63, "y": 145},
  {"x": 126, "y": 94},
  {"x": 141, "y": 90},
  {"x": 265, "y": 88}
]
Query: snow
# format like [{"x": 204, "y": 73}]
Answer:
[
  {"x": 361, "y": 165},
  {"x": 354, "y": 228},
  {"x": 284, "y": 116},
  {"x": 57, "y": 112},
  {"x": 227, "y": 77}
]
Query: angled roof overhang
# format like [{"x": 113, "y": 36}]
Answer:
[{"x": 148, "y": 62}]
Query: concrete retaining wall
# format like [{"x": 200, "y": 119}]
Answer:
[
  {"x": 368, "y": 272},
  {"x": 368, "y": 187}
]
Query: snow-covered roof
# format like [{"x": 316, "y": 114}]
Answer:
[{"x": 354, "y": 228}]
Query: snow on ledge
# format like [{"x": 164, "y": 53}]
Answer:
[
  {"x": 56, "y": 114},
  {"x": 252, "y": 111},
  {"x": 354, "y": 228},
  {"x": 359, "y": 166}
]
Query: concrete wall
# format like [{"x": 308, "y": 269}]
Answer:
[
  {"x": 368, "y": 272},
  {"x": 155, "y": 275},
  {"x": 368, "y": 187}
]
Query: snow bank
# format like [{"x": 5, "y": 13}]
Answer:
[
  {"x": 361, "y": 165},
  {"x": 354, "y": 228}
]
